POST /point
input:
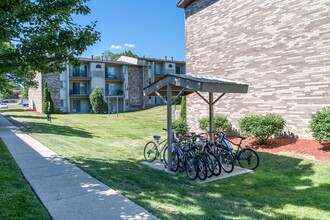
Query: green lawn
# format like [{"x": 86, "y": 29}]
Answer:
[
  {"x": 110, "y": 149},
  {"x": 17, "y": 200}
]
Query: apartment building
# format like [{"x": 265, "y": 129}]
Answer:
[
  {"x": 121, "y": 82},
  {"x": 280, "y": 48}
]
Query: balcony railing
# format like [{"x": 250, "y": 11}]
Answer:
[
  {"x": 81, "y": 91},
  {"x": 114, "y": 76},
  {"x": 79, "y": 74},
  {"x": 118, "y": 92}
]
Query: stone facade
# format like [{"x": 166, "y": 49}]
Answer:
[
  {"x": 281, "y": 48},
  {"x": 35, "y": 94},
  {"x": 135, "y": 88}
]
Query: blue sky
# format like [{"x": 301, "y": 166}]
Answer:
[{"x": 154, "y": 28}]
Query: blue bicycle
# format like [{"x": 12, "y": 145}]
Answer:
[{"x": 246, "y": 157}]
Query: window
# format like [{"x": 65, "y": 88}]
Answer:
[
  {"x": 63, "y": 101},
  {"x": 170, "y": 66},
  {"x": 126, "y": 86},
  {"x": 80, "y": 71},
  {"x": 98, "y": 66},
  {"x": 126, "y": 69},
  {"x": 63, "y": 84},
  {"x": 178, "y": 70}
]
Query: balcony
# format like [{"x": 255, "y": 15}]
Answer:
[
  {"x": 118, "y": 92},
  {"x": 114, "y": 77},
  {"x": 80, "y": 75},
  {"x": 81, "y": 92}
]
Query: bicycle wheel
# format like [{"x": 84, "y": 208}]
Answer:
[
  {"x": 226, "y": 160},
  {"x": 191, "y": 167},
  {"x": 150, "y": 151},
  {"x": 209, "y": 164},
  {"x": 248, "y": 158},
  {"x": 165, "y": 156},
  {"x": 201, "y": 168},
  {"x": 216, "y": 164},
  {"x": 175, "y": 161}
]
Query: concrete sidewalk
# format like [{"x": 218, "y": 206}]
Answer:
[{"x": 66, "y": 191}]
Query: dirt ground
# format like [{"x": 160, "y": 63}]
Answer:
[{"x": 308, "y": 148}]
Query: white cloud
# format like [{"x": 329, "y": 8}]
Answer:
[
  {"x": 129, "y": 45},
  {"x": 116, "y": 47}
]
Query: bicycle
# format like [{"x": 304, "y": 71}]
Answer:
[
  {"x": 202, "y": 147},
  {"x": 246, "y": 157},
  {"x": 151, "y": 150},
  {"x": 182, "y": 157}
]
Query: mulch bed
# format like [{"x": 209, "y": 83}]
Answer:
[{"x": 308, "y": 148}]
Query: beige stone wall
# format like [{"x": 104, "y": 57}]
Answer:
[
  {"x": 35, "y": 95},
  {"x": 135, "y": 88},
  {"x": 54, "y": 86},
  {"x": 281, "y": 48}
]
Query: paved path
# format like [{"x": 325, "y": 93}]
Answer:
[{"x": 66, "y": 191}]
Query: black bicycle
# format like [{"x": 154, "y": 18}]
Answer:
[{"x": 246, "y": 157}]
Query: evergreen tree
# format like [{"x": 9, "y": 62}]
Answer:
[
  {"x": 51, "y": 109},
  {"x": 98, "y": 104},
  {"x": 45, "y": 98},
  {"x": 183, "y": 113}
]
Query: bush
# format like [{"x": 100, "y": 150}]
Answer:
[
  {"x": 220, "y": 122},
  {"x": 47, "y": 98},
  {"x": 261, "y": 127},
  {"x": 320, "y": 124},
  {"x": 183, "y": 113},
  {"x": 180, "y": 126},
  {"x": 98, "y": 104}
]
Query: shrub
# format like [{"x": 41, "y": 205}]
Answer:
[
  {"x": 183, "y": 114},
  {"x": 98, "y": 104},
  {"x": 261, "y": 127},
  {"x": 320, "y": 124},
  {"x": 220, "y": 122},
  {"x": 45, "y": 99},
  {"x": 180, "y": 126}
]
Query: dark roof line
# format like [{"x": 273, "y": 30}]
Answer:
[
  {"x": 184, "y": 3},
  {"x": 106, "y": 61},
  {"x": 161, "y": 60}
]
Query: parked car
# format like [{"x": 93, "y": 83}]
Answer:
[{"x": 3, "y": 105}]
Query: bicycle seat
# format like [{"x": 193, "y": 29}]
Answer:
[
  {"x": 156, "y": 137},
  {"x": 242, "y": 137}
]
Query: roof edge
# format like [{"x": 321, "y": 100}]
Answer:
[{"x": 184, "y": 3}]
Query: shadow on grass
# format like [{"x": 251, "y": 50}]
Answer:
[
  {"x": 278, "y": 182},
  {"x": 43, "y": 117},
  {"x": 50, "y": 128}
]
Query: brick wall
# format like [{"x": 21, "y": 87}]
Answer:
[
  {"x": 35, "y": 94},
  {"x": 54, "y": 86},
  {"x": 281, "y": 48},
  {"x": 135, "y": 88}
]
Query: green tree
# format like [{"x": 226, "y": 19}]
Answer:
[
  {"x": 24, "y": 93},
  {"x": 183, "y": 113},
  {"x": 44, "y": 36},
  {"x": 96, "y": 99},
  {"x": 107, "y": 55},
  {"x": 127, "y": 53},
  {"x": 47, "y": 98}
]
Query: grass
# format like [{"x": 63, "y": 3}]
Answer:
[
  {"x": 17, "y": 200},
  {"x": 110, "y": 149}
]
